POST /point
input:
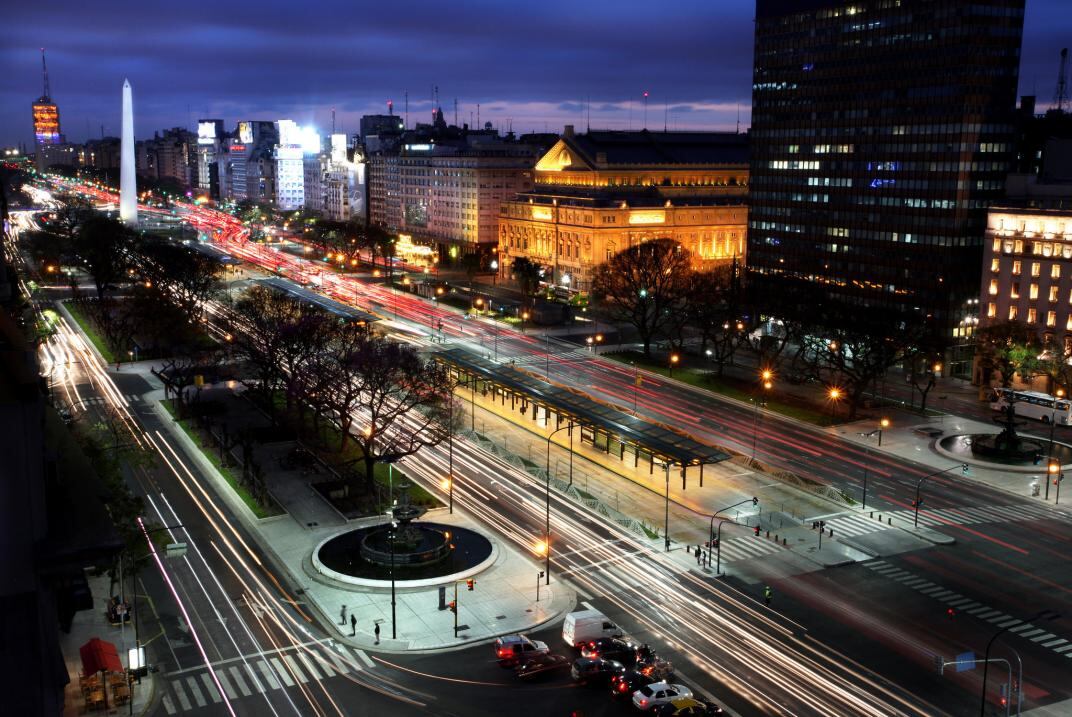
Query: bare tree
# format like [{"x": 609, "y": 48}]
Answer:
[{"x": 645, "y": 285}]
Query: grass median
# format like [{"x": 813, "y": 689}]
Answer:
[
  {"x": 226, "y": 471},
  {"x": 89, "y": 328}
]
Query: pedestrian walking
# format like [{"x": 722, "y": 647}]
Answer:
[
  {"x": 342, "y": 616},
  {"x": 699, "y": 555},
  {"x": 377, "y": 631},
  {"x": 353, "y": 626},
  {"x": 767, "y": 594}
]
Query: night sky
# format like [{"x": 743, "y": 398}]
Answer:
[{"x": 535, "y": 63}]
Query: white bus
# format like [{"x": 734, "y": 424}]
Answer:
[{"x": 1033, "y": 404}]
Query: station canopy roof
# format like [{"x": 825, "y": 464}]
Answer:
[
  {"x": 327, "y": 304},
  {"x": 663, "y": 442}
]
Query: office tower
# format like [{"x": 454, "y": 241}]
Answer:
[
  {"x": 881, "y": 133},
  {"x": 46, "y": 121}
]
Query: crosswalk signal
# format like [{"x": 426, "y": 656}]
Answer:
[
  {"x": 755, "y": 501},
  {"x": 453, "y": 606},
  {"x": 469, "y": 584}
]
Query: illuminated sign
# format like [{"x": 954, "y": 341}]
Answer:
[
  {"x": 309, "y": 139},
  {"x": 418, "y": 147},
  {"x": 46, "y": 123},
  {"x": 541, "y": 213},
  {"x": 206, "y": 132},
  {"x": 245, "y": 132},
  {"x": 648, "y": 217},
  {"x": 238, "y": 148}
]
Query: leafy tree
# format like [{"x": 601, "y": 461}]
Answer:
[
  {"x": 645, "y": 285},
  {"x": 188, "y": 276},
  {"x": 259, "y": 314},
  {"x": 527, "y": 274},
  {"x": 104, "y": 246},
  {"x": 713, "y": 308},
  {"x": 1009, "y": 348},
  {"x": 1056, "y": 363}
]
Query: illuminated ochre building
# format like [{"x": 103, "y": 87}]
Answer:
[{"x": 599, "y": 193}]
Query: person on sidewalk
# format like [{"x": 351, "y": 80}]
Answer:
[
  {"x": 353, "y": 626},
  {"x": 377, "y": 631},
  {"x": 767, "y": 594},
  {"x": 699, "y": 555},
  {"x": 342, "y": 616}
]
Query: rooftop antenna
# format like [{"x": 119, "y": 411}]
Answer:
[
  {"x": 478, "y": 116},
  {"x": 738, "y": 118},
  {"x": 455, "y": 111},
  {"x": 588, "y": 111},
  {"x": 405, "y": 124},
  {"x": 390, "y": 108},
  {"x": 44, "y": 71},
  {"x": 1060, "y": 95},
  {"x": 645, "y": 109},
  {"x": 333, "y": 120}
]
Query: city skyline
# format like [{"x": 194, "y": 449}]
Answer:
[{"x": 561, "y": 71}]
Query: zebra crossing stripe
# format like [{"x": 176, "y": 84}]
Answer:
[
  {"x": 1044, "y": 636},
  {"x": 1055, "y": 643},
  {"x": 309, "y": 665},
  {"x": 238, "y": 680},
  {"x": 283, "y": 673},
  {"x": 169, "y": 707},
  {"x": 196, "y": 692},
  {"x": 1006, "y": 623},
  {"x": 184, "y": 701},
  {"x": 1063, "y": 648},
  {"x": 365, "y": 658},
  {"x": 227, "y": 688},
  {"x": 269, "y": 676},
  {"x": 210, "y": 687},
  {"x": 295, "y": 669},
  {"x": 339, "y": 662}
]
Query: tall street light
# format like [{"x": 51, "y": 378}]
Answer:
[
  {"x": 1043, "y": 615},
  {"x": 882, "y": 424},
  {"x": 1053, "y": 424},
  {"x": 547, "y": 527},
  {"x": 666, "y": 516},
  {"x": 766, "y": 377},
  {"x": 674, "y": 358},
  {"x": 835, "y": 396},
  {"x": 391, "y": 540},
  {"x": 1056, "y": 475}
]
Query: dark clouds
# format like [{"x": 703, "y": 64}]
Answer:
[{"x": 536, "y": 65}]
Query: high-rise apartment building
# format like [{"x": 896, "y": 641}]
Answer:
[
  {"x": 210, "y": 139},
  {"x": 882, "y": 131}
]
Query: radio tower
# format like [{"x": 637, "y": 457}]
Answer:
[
  {"x": 1060, "y": 95},
  {"x": 44, "y": 69}
]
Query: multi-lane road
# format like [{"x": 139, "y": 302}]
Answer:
[{"x": 886, "y": 616}]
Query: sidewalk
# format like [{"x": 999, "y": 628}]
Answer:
[
  {"x": 503, "y": 602},
  {"x": 87, "y": 625}
]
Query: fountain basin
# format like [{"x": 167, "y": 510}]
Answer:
[{"x": 964, "y": 448}]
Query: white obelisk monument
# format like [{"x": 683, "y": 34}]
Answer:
[{"x": 128, "y": 189}]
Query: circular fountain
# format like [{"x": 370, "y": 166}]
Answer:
[
  {"x": 1006, "y": 449},
  {"x": 409, "y": 552}
]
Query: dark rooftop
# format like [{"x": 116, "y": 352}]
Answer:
[{"x": 605, "y": 148}]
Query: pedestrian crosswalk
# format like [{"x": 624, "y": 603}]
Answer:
[
  {"x": 260, "y": 673},
  {"x": 101, "y": 400},
  {"x": 959, "y": 603},
  {"x": 744, "y": 548},
  {"x": 861, "y": 524}
]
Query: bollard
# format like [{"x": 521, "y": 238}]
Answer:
[
  {"x": 776, "y": 537},
  {"x": 831, "y": 532},
  {"x": 889, "y": 521},
  {"x": 768, "y": 533},
  {"x": 872, "y": 514},
  {"x": 783, "y": 541}
]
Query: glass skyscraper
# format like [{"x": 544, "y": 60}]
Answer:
[{"x": 881, "y": 132}]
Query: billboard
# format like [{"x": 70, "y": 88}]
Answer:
[
  {"x": 245, "y": 132},
  {"x": 206, "y": 132}
]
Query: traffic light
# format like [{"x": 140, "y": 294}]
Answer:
[
  {"x": 950, "y": 613},
  {"x": 756, "y": 533},
  {"x": 755, "y": 501},
  {"x": 453, "y": 606},
  {"x": 469, "y": 584}
]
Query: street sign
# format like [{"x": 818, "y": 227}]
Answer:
[
  {"x": 966, "y": 662},
  {"x": 175, "y": 550}
]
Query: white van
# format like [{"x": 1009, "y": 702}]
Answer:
[{"x": 587, "y": 625}]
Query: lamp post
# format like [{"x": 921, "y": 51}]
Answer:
[
  {"x": 674, "y": 358},
  {"x": 915, "y": 504},
  {"x": 391, "y": 541},
  {"x": 766, "y": 377},
  {"x": 450, "y": 452},
  {"x": 524, "y": 318},
  {"x": 883, "y": 424},
  {"x": 835, "y": 396},
  {"x": 666, "y": 517},
  {"x": 1056, "y": 475},
  {"x": 547, "y": 471},
  {"x": 1053, "y": 424}
]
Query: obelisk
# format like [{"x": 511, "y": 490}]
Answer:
[{"x": 128, "y": 189}]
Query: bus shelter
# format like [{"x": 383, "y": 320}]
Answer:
[{"x": 614, "y": 432}]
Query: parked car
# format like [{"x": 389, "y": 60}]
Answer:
[
  {"x": 658, "y": 693},
  {"x": 541, "y": 666},
  {"x": 515, "y": 649},
  {"x": 625, "y": 684},
  {"x": 599, "y": 671},
  {"x": 687, "y": 707},
  {"x": 610, "y": 648}
]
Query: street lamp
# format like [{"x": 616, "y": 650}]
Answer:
[
  {"x": 766, "y": 377},
  {"x": 391, "y": 540},
  {"x": 674, "y": 358},
  {"x": 1043, "y": 615},
  {"x": 883, "y": 424},
  {"x": 547, "y": 471},
  {"x": 1053, "y": 424},
  {"x": 524, "y": 318},
  {"x": 666, "y": 515},
  {"x": 835, "y": 396},
  {"x": 1056, "y": 475}
]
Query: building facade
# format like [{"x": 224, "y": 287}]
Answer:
[
  {"x": 210, "y": 139},
  {"x": 602, "y": 192},
  {"x": 882, "y": 131}
]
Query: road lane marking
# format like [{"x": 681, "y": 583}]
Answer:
[
  {"x": 196, "y": 692},
  {"x": 269, "y": 676},
  {"x": 238, "y": 679},
  {"x": 281, "y": 671},
  {"x": 295, "y": 670},
  {"x": 210, "y": 687},
  {"x": 227, "y": 688},
  {"x": 184, "y": 701}
]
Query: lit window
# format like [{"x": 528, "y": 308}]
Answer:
[
  {"x": 1055, "y": 271},
  {"x": 1032, "y": 316},
  {"x": 993, "y": 287},
  {"x": 1016, "y": 268},
  {"x": 1035, "y": 268},
  {"x": 1013, "y": 312},
  {"x": 1033, "y": 291},
  {"x": 1053, "y": 293},
  {"x": 1015, "y": 291},
  {"x": 1051, "y": 318},
  {"x": 992, "y": 311},
  {"x": 995, "y": 266}
]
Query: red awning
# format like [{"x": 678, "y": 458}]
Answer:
[{"x": 97, "y": 655}]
